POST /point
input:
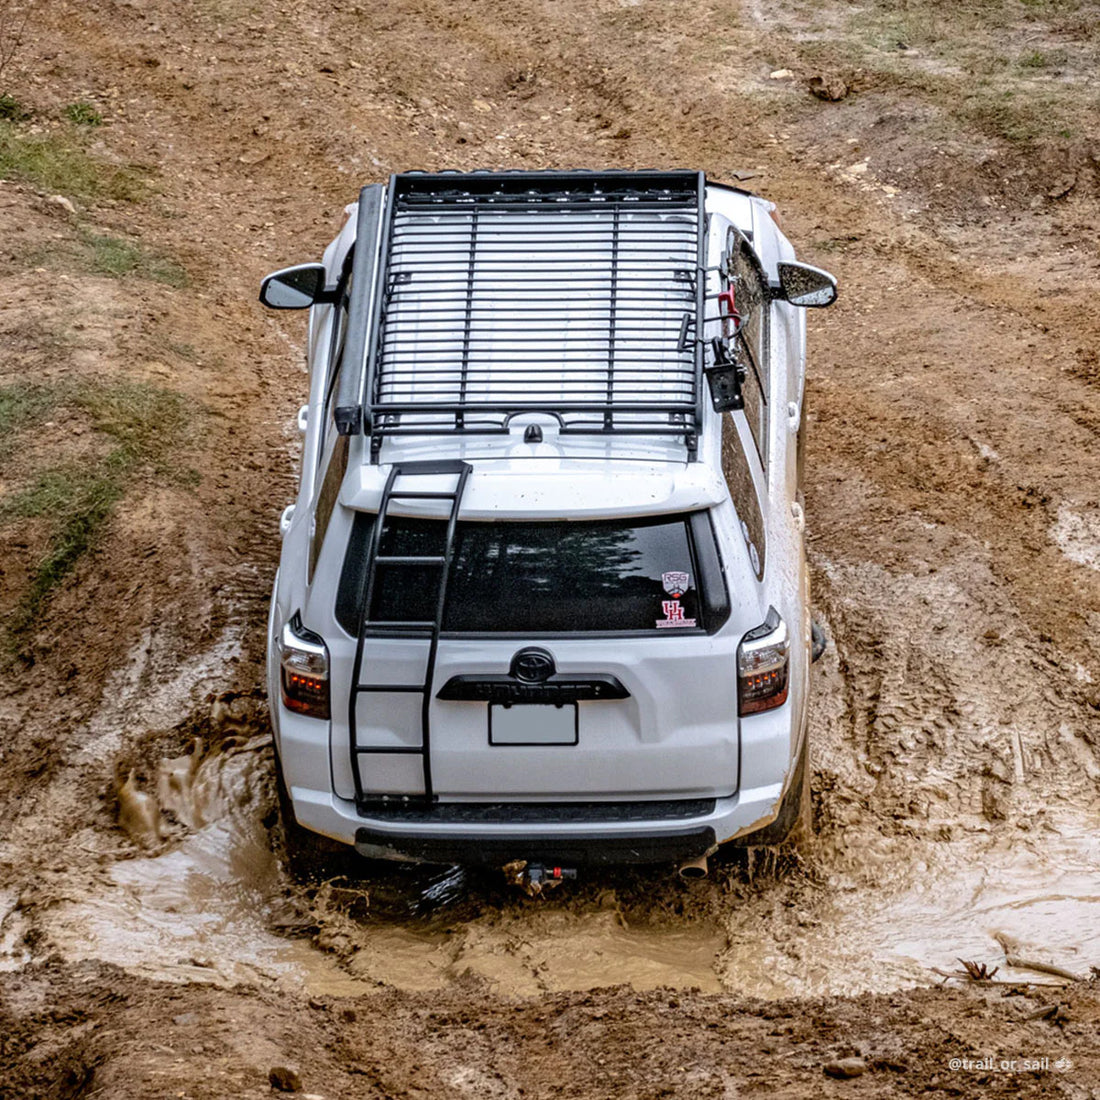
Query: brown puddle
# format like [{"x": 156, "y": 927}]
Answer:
[
  {"x": 541, "y": 951},
  {"x": 909, "y": 907},
  {"x": 203, "y": 910}
]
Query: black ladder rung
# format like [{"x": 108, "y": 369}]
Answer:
[
  {"x": 388, "y": 624},
  {"x": 390, "y": 750},
  {"x": 410, "y": 559},
  {"x": 390, "y": 687},
  {"x": 432, "y": 466},
  {"x": 421, "y": 494}
]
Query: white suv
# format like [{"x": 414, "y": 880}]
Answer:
[{"x": 543, "y": 594}]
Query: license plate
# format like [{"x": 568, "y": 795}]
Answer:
[{"x": 533, "y": 724}]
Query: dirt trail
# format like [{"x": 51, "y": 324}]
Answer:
[{"x": 952, "y": 504}]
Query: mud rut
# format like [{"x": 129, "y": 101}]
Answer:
[{"x": 951, "y": 495}]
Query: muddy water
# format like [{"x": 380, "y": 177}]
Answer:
[
  {"x": 200, "y": 909},
  {"x": 548, "y": 950},
  {"x": 205, "y": 909},
  {"x": 885, "y": 920}
]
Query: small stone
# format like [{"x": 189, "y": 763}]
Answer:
[
  {"x": 284, "y": 1079},
  {"x": 781, "y": 74},
  {"x": 481, "y": 105},
  {"x": 1060, "y": 188},
  {"x": 64, "y": 203},
  {"x": 830, "y": 88},
  {"x": 844, "y": 1068},
  {"x": 185, "y": 1019}
]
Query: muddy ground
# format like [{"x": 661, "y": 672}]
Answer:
[{"x": 158, "y": 158}]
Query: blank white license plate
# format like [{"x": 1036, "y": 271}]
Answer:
[{"x": 533, "y": 724}]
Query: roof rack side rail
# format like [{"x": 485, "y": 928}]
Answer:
[
  {"x": 348, "y": 410},
  {"x": 700, "y": 306}
]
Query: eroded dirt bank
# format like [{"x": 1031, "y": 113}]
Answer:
[{"x": 150, "y": 940}]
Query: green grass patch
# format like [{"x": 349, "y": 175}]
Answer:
[
  {"x": 82, "y": 114},
  {"x": 11, "y": 110},
  {"x": 118, "y": 257},
  {"x": 146, "y": 426},
  {"x": 1016, "y": 117},
  {"x": 58, "y": 161},
  {"x": 1036, "y": 59},
  {"x": 21, "y": 404},
  {"x": 104, "y": 254},
  {"x": 79, "y": 502}
]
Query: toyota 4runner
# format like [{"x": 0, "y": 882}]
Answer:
[{"x": 543, "y": 594}]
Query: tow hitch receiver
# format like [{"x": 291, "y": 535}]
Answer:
[{"x": 535, "y": 878}]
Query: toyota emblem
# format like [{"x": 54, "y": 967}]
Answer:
[{"x": 532, "y": 666}]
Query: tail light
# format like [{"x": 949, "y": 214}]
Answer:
[
  {"x": 304, "y": 671},
  {"x": 763, "y": 658}
]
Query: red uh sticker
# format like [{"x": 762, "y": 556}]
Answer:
[{"x": 674, "y": 615}]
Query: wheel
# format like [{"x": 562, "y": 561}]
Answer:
[{"x": 308, "y": 855}]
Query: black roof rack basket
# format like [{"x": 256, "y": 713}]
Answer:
[{"x": 502, "y": 293}]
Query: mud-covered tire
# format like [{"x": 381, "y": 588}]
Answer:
[
  {"x": 307, "y": 854},
  {"x": 794, "y": 822}
]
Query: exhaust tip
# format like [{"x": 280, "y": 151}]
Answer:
[{"x": 693, "y": 869}]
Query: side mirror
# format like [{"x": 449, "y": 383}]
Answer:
[
  {"x": 294, "y": 287},
  {"x": 803, "y": 285}
]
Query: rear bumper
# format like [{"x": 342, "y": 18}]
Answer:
[{"x": 602, "y": 833}]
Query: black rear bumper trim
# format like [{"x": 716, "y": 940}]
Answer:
[{"x": 594, "y": 848}]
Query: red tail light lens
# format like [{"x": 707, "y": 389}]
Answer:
[
  {"x": 304, "y": 671},
  {"x": 763, "y": 659}
]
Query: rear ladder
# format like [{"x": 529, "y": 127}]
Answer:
[{"x": 427, "y": 629}]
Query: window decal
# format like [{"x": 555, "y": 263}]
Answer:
[
  {"x": 676, "y": 584},
  {"x": 674, "y": 615}
]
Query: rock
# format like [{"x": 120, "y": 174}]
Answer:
[
  {"x": 844, "y": 1068},
  {"x": 284, "y": 1079},
  {"x": 1061, "y": 187},
  {"x": 781, "y": 74},
  {"x": 481, "y": 105},
  {"x": 64, "y": 203},
  {"x": 829, "y": 87}
]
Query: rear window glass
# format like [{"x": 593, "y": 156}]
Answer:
[{"x": 640, "y": 575}]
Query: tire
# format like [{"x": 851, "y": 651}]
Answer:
[
  {"x": 307, "y": 855},
  {"x": 794, "y": 822}
]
